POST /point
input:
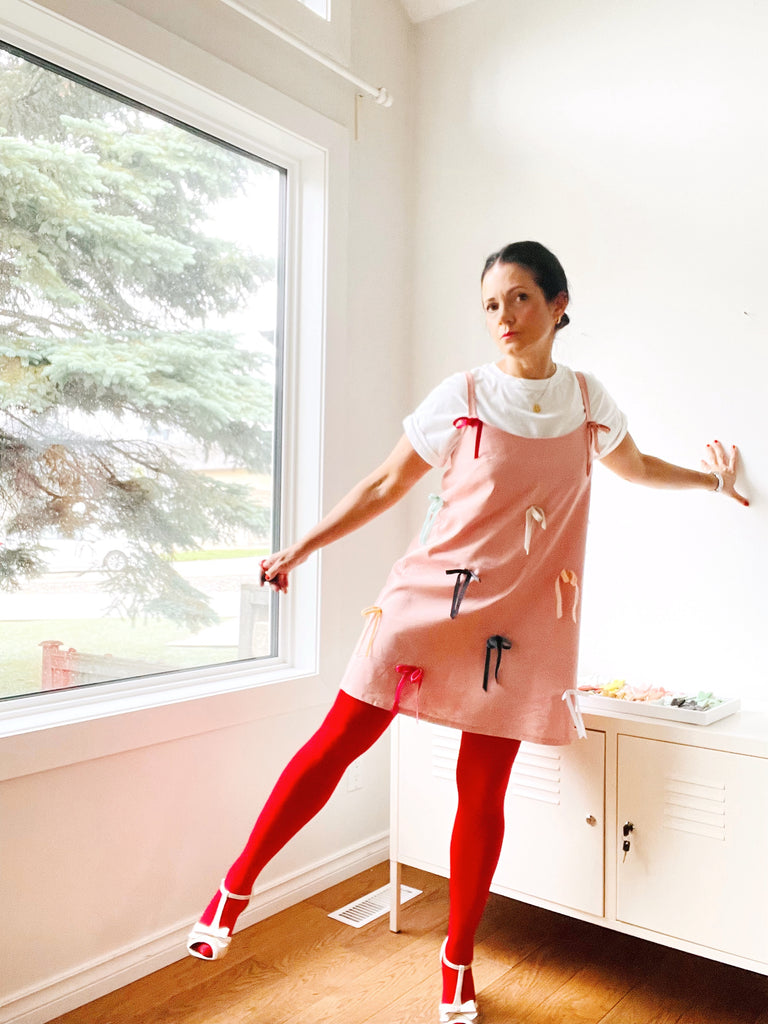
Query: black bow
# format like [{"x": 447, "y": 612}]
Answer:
[
  {"x": 499, "y": 644},
  {"x": 463, "y": 578}
]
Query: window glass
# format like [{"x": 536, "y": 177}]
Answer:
[
  {"x": 325, "y": 25},
  {"x": 141, "y": 290},
  {"x": 318, "y": 6}
]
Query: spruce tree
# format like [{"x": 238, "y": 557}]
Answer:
[{"x": 117, "y": 370}]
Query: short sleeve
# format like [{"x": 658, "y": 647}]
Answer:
[
  {"x": 430, "y": 427},
  {"x": 604, "y": 410}
]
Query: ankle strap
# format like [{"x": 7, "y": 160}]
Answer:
[
  {"x": 447, "y": 962},
  {"x": 230, "y": 895}
]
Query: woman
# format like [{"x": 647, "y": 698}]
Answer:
[{"x": 477, "y": 625}]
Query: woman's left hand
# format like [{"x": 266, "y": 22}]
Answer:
[{"x": 727, "y": 466}]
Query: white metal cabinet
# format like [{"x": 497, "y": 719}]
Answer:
[
  {"x": 696, "y": 866},
  {"x": 695, "y": 876},
  {"x": 553, "y": 849}
]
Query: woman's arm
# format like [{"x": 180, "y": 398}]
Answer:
[
  {"x": 381, "y": 489},
  {"x": 631, "y": 464}
]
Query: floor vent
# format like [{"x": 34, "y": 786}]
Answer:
[{"x": 372, "y": 906}]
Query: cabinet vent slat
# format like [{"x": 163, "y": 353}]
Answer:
[
  {"x": 695, "y": 806},
  {"x": 700, "y": 807},
  {"x": 695, "y": 787},
  {"x": 541, "y": 757},
  {"x": 541, "y": 782},
  {"x": 536, "y": 774},
  {"x": 696, "y": 828},
  {"x": 445, "y": 752},
  {"x": 547, "y": 774},
  {"x": 542, "y": 796}
]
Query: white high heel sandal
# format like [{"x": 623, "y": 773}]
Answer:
[
  {"x": 213, "y": 934},
  {"x": 457, "y": 1012}
]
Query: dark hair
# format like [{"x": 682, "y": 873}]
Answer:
[{"x": 545, "y": 267}]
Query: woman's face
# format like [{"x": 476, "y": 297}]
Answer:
[{"x": 519, "y": 318}]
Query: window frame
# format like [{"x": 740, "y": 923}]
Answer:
[{"x": 253, "y": 117}]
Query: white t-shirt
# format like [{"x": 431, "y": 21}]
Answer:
[{"x": 507, "y": 402}]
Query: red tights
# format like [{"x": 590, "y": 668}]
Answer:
[
  {"x": 482, "y": 777},
  {"x": 349, "y": 729}
]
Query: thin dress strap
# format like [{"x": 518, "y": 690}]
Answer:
[
  {"x": 471, "y": 403},
  {"x": 593, "y": 429},
  {"x": 584, "y": 393}
]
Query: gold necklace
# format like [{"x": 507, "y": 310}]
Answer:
[{"x": 537, "y": 398}]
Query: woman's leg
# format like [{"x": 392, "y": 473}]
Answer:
[
  {"x": 482, "y": 777},
  {"x": 305, "y": 786}
]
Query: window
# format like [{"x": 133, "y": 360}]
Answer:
[
  {"x": 320, "y": 7},
  {"x": 325, "y": 25},
  {"x": 141, "y": 353}
]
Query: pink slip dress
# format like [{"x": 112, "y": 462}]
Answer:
[{"x": 477, "y": 625}]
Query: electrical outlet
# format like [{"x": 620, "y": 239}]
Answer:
[{"x": 354, "y": 779}]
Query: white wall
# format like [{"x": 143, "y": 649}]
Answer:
[
  {"x": 116, "y": 832},
  {"x": 631, "y": 139}
]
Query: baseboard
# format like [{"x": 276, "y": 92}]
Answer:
[{"x": 67, "y": 992}]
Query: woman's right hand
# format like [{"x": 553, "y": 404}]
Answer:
[
  {"x": 381, "y": 489},
  {"x": 275, "y": 568}
]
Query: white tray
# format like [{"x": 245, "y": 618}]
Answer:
[{"x": 594, "y": 702}]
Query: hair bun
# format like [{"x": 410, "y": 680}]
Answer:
[{"x": 562, "y": 322}]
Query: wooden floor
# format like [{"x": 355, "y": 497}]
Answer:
[{"x": 300, "y": 967}]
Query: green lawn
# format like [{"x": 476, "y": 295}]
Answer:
[
  {"x": 21, "y": 657},
  {"x": 207, "y": 556}
]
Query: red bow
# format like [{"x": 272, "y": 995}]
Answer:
[{"x": 471, "y": 421}]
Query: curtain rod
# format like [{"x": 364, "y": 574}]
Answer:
[{"x": 379, "y": 93}]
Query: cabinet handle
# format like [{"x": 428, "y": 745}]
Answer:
[{"x": 591, "y": 819}]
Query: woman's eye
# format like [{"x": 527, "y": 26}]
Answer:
[{"x": 521, "y": 297}]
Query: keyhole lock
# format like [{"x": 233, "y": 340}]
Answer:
[{"x": 627, "y": 828}]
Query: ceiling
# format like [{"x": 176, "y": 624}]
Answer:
[{"x": 422, "y": 10}]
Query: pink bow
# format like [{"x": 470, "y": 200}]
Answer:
[
  {"x": 471, "y": 421},
  {"x": 408, "y": 674},
  {"x": 567, "y": 576}
]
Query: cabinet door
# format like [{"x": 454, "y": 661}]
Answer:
[
  {"x": 425, "y": 778},
  {"x": 696, "y": 868},
  {"x": 554, "y": 842},
  {"x": 555, "y": 834}
]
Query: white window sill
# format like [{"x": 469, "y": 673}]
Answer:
[{"x": 44, "y": 732}]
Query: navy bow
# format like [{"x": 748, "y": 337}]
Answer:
[
  {"x": 499, "y": 644},
  {"x": 463, "y": 578}
]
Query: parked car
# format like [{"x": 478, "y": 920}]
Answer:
[{"x": 78, "y": 554}]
